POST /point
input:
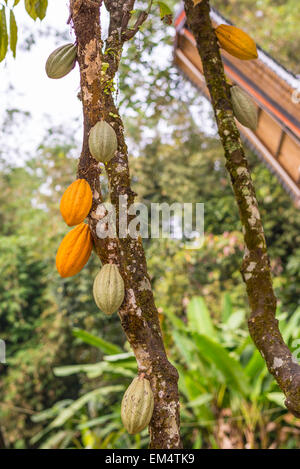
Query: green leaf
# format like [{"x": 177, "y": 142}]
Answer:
[
  {"x": 199, "y": 319},
  {"x": 74, "y": 369},
  {"x": 227, "y": 307},
  {"x": 30, "y": 8},
  {"x": 67, "y": 413},
  {"x": 199, "y": 401},
  {"x": 3, "y": 34},
  {"x": 106, "y": 347},
  {"x": 13, "y": 33},
  {"x": 230, "y": 368},
  {"x": 16, "y": 2},
  {"x": 186, "y": 347},
  {"x": 41, "y": 8},
  {"x": 277, "y": 397},
  {"x": 235, "y": 320},
  {"x": 178, "y": 323},
  {"x": 165, "y": 12},
  {"x": 97, "y": 421}
]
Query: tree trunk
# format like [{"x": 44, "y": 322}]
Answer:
[
  {"x": 263, "y": 325},
  {"x": 138, "y": 313}
]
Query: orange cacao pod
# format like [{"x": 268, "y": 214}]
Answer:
[
  {"x": 236, "y": 42},
  {"x": 74, "y": 251},
  {"x": 76, "y": 202}
]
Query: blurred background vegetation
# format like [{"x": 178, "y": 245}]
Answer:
[{"x": 67, "y": 364}]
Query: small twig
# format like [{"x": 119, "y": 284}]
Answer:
[{"x": 130, "y": 33}]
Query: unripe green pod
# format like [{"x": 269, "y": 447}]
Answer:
[
  {"x": 244, "y": 108},
  {"x": 102, "y": 142},
  {"x": 61, "y": 61},
  {"x": 108, "y": 289},
  {"x": 137, "y": 405}
]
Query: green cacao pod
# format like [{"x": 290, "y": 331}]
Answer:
[
  {"x": 108, "y": 289},
  {"x": 137, "y": 405},
  {"x": 244, "y": 108},
  {"x": 102, "y": 142},
  {"x": 61, "y": 61}
]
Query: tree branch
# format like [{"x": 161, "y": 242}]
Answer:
[
  {"x": 138, "y": 314},
  {"x": 263, "y": 325}
]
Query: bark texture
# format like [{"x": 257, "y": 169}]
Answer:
[
  {"x": 262, "y": 323},
  {"x": 98, "y": 65}
]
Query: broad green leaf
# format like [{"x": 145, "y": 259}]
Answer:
[
  {"x": 3, "y": 34},
  {"x": 13, "y": 33},
  {"x": 30, "y": 8},
  {"x": 255, "y": 365},
  {"x": 201, "y": 400},
  {"x": 199, "y": 319},
  {"x": 227, "y": 307},
  {"x": 97, "y": 421},
  {"x": 41, "y": 8},
  {"x": 235, "y": 320},
  {"x": 121, "y": 357},
  {"x": 16, "y": 2},
  {"x": 56, "y": 440},
  {"x": 230, "y": 368},
  {"x": 164, "y": 10},
  {"x": 178, "y": 323},
  {"x": 74, "y": 369},
  {"x": 277, "y": 397},
  {"x": 290, "y": 327},
  {"x": 52, "y": 412},
  {"x": 185, "y": 347},
  {"x": 106, "y": 347},
  {"x": 67, "y": 413}
]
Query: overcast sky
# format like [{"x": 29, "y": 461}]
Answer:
[{"x": 50, "y": 102}]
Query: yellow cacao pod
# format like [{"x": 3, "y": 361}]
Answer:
[
  {"x": 236, "y": 42},
  {"x": 244, "y": 108},
  {"x": 61, "y": 61},
  {"x": 74, "y": 251},
  {"x": 76, "y": 202},
  {"x": 102, "y": 142},
  {"x": 108, "y": 289},
  {"x": 137, "y": 405}
]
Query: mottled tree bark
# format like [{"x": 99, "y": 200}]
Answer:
[
  {"x": 98, "y": 64},
  {"x": 263, "y": 325}
]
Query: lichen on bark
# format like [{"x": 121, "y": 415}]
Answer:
[{"x": 263, "y": 325}]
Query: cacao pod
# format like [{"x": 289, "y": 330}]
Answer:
[
  {"x": 236, "y": 42},
  {"x": 244, "y": 108},
  {"x": 137, "y": 405},
  {"x": 76, "y": 202},
  {"x": 102, "y": 142},
  {"x": 108, "y": 289},
  {"x": 61, "y": 61},
  {"x": 74, "y": 251}
]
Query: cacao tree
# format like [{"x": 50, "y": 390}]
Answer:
[
  {"x": 263, "y": 325},
  {"x": 99, "y": 61}
]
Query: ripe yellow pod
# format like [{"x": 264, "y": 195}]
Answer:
[
  {"x": 102, "y": 142},
  {"x": 61, "y": 61},
  {"x": 236, "y": 42},
  {"x": 74, "y": 251},
  {"x": 244, "y": 108},
  {"x": 108, "y": 289},
  {"x": 137, "y": 405},
  {"x": 76, "y": 202}
]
